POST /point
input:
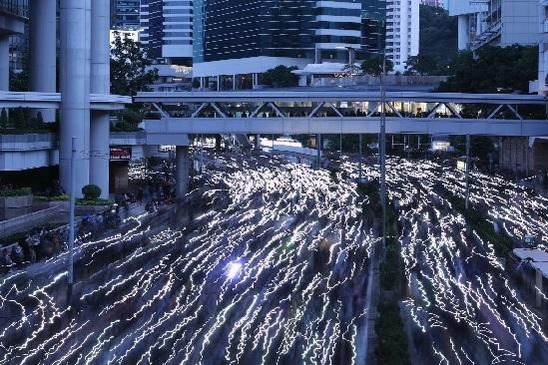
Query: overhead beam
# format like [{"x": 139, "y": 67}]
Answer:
[{"x": 349, "y": 125}]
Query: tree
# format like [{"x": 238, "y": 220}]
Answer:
[
  {"x": 422, "y": 65},
  {"x": 373, "y": 65},
  {"x": 437, "y": 37},
  {"x": 493, "y": 69},
  {"x": 280, "y": 76},
  {"x": 130, "y": 69},
  {"x": 351, "y": 70}
]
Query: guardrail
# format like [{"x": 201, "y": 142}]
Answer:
[
  {"x": 14, "y": 225},
  {"x": 14, "y": 7}
]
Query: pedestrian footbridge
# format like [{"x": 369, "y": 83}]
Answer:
[{"x": 173, "y": 114}]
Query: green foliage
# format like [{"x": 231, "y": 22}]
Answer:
[
  {"x": 97, "y": 201},
  {"x": 480, "y": 146},
  {"x": 438, "y": 34},
  {"x": 392, "y": 347},
  {"x": 22, "y": 120},
  {"x": 127, "y": 121},
  {"x": 42, "y": 198},
  {"x": 478, "y": 222},
  {"x": 373, "y": 65},
  {"x": 280, "y": 76},
  {"x": 352, "y": 70},
  {"x": 130, "y": 70},
  {"x": 19, "y": 81},
  {"x": 15, "y": 191},
  {"x": 91, "y": 192},
  {"x": 423, "y": 65},
  {"x": 494, "y": 69},
  {"x": 4, "y": 119}
]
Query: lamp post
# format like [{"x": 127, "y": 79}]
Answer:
[
  {"x": 382, "y": 148},
  {"x": 71, "y": 223}
]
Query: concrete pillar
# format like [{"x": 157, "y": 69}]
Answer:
[
  {"x": 100, "y": 84},
  {"x": 538, "y": 291},
  {"x": 43, "y": 50},
  {"x": 182, "y": 166},
  {"x": 463, "y": 26},
  {"x": 4, "y": 63},
  {"x": 234, "y": 82},
  {"x": 75, "y": 31},
  {"x": 218, "y": 82},
  {"x": 319, "y": 149},
  {"x": 258, "y": 143}
]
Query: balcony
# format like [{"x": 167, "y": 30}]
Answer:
[{"x": 15, "y": 8}]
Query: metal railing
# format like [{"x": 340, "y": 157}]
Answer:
[{"x": 14, "y": 7}]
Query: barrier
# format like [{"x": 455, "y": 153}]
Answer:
[{"x": 14, "y": 225}]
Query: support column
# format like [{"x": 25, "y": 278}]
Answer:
[
  {"x": 182, "y": 165},
  {"x": 257, "y": 143},
  {"x": 4, "y": 63},
  {"x": 100, "y": 84},
  {"x": 319, "y": 146},
  {"x": 463, "y": 26},
  {"x": 75, "y": 30},
  {"x": 42, "y": 47},
  {"x": 234, "y": 82}
]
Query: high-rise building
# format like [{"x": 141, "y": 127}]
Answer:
[
  {"x": 373, "y": 25},
  {"x": 436, "y": 3},
  {"x": 238, "y": 37},
  {"x": 402, "y": 31},
  {"x": 543, "y": 48},
  {"x": 124, "y": 14},
  {"x": 495, "y": 22},
  {"x": 167, "y": 29}
]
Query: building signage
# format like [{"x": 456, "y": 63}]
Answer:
[{"x": 120, "y": 153}]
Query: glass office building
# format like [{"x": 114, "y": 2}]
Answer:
[
  {"x": 167, "y": 29},
  {"x": 289, "y": 29}
]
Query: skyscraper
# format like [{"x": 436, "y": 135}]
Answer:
[
  {"x": 436, "y": 3},
  {"x": 402, "y": 31},
  {"x": 167, "y": 29},
  {"x": 495, "y": 22},
  {"x": 239, "y": 37},
  {"x": 124, "y": 13}
]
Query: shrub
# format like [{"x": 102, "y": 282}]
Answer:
[
  {"x": 91, "y": 192},
  {"x": 15, "y": 192}
]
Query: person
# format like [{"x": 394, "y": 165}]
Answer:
[
  {"x": 5, "y": 260},
  {"x": 17, "y": 255}
]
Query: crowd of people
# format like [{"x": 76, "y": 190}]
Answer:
[{"x": 41, "y": 243}]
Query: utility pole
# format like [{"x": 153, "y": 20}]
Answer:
[
  {"x": 382, "y": 148},
  {"x": 467, "y": 196}
]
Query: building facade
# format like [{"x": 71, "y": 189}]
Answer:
[
  {"x": 83, "y": 54},
  {"x": 167, "y": 29},
  {"x": 495, "y": 22},
  {"x": 402, "y": 31},
  {"x": 436, "y": 3},
  {"x": 125, "y": 14},
  {"x": 237, "y": 40},
  {"x": 543, "y": 48}
]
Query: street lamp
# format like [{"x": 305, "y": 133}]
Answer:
[{"x": 382, "y": 148}]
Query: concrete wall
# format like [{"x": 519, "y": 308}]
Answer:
[{"x": 520, "y": 22}]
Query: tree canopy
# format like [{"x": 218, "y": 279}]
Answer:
[
  {"x": 130, "y": 70},
  {"x": 493, "y": 69},
  {"x": 437, "y": 40},
  {"x": 280, "y": 76},
  {"x": 373, "y": 65}
]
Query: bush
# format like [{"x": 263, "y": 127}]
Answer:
[
  {"x": 91, "y": 192},
  {"x": 15, "y": 192}
]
